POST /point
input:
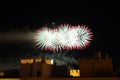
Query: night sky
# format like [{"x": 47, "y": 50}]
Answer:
[{"x": 20, "y": 18}]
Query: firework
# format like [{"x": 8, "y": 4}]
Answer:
[{"x": 64, "y": 37}]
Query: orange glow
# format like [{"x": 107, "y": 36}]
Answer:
[
  {"x": 48, "y": 61},
  {"x": 75, "y": 73},
  {"x": 24, "y": 61},
  {"x": 38, "y": 60},
  {"x": 1, "y": 73},
  {"x": 29, "y": 61}
]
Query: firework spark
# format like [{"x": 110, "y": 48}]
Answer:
[{"x": 64, "y": 37}]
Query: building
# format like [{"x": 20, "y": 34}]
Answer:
[
  {"x": 95, "y": 67},
  {"x": 41, "y": 68}
]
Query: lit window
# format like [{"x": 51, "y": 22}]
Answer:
[{"x": 75, "y": 73}]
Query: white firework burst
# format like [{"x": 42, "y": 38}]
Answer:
[
  {"x": 64, "y": 37},
  {"x": 85, "y": 36},
  {"x": 45, "y": 38}
]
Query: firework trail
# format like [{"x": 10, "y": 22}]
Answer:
[{"x": 64, "y": 37}]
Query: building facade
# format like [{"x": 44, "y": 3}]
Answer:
[
  {"x": 41, "y": 68},
  {"x": 94, "y": 67}
]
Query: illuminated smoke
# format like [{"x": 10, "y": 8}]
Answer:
[
  {"x": 16, "y": 36},
  {"x": 62, "y": 59}
]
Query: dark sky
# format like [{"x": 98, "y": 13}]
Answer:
[{"x": 26, "y": 16}]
